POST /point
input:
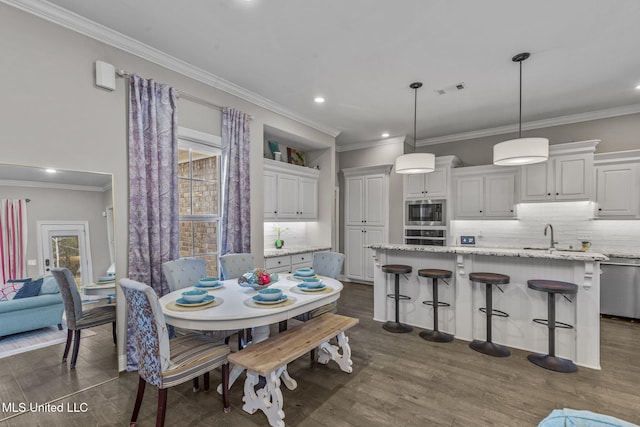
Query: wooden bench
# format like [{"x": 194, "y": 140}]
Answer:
[{"x": 269, "y": 359}]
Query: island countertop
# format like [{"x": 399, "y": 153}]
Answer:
[{"x": 559, "y": 254}]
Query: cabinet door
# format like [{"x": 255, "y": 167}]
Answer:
[
  {"x": 469, "y": 197},
  {"x": 499, "y": 195},
  {"x": 371, "y": 235},
  {"x": 308, "y": 198},
  {"x": 414, "y": 186},
  {"x": 354, "y": 201},
  {"x": 573, "y": 177},
  {"x": 354, "y": 258},
  {"x": 287, "y": 196},
  {"x": 536, "y": 182},
  {"x": 374, "y": 200},
  {"x": 270, "y": 195},
  {"x": 435, "y": 184},
  {"x": 617, "y": 190}
]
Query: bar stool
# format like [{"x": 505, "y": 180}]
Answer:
[
  {"x": 434, "y": 274},
  {"x": 396, "y": 326},
  {"x": 551, "y": 361},
  {"x": 488, "y": 347}
]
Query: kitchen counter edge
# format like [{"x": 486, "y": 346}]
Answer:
[{"x": 272, "y": 253}]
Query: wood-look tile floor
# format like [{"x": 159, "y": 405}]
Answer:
[{"x": 398, "y": 380}]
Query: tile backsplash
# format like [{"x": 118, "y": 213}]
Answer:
[
  {"x": 293, "y": 233},
  {"x": 569, "y": 219}
]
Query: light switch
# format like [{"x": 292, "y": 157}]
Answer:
[{"x": 32, "y": 262}]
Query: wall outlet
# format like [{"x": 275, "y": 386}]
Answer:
[
  {"x": 585, "y": 235},
  {"x": 32, "y": 262}
]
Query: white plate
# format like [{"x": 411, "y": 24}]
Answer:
[{"x": 258, "y": 300}]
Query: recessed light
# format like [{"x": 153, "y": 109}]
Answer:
[
  {"x": 318, "y": 99},
  {"x": 50, "y": 170},
  {"x": 385, "y": 135},
  {"x": 638, "y": 87}
]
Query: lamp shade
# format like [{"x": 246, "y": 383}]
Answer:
[
  {"x": 415, "y": 163},
  {"x": 521, "y": 151}
]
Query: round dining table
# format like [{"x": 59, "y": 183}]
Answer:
[{"x": 236, "y": 309}]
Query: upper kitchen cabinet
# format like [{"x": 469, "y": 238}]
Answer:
[
  {"x": 290, "y": 192},
  {"x": 485, "y": 192},
  {"x": 430, "y": 185},
  {"x": 566, "y": 176},
  {"x": 366, "y": 196},
  {"x": 617, "y": 184}
]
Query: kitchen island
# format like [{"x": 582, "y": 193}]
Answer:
[{"x": 464, "y": 320}]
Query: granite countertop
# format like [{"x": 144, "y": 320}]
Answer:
[
  {"x": 630, "y": 254},
  {"x": 507, "y": 252},
  {"x": 271, "y": 253}
]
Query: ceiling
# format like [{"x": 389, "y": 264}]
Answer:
[
  {"x": 361, "y": 55},
  {"x": 39, "y": 177}
]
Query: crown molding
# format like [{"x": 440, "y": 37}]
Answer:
[
  {"x": 369, "y": 144},
  {"x": 84, "y": 26},
  {"x": 539, "y": 124}
]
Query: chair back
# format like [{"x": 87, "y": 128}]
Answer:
[
  {"x": 235, "y": 265},
  {"x": 184, "y": 272},
  {"x": 149, "y": 330},
  {"x": 328, "y": 264},
  {"x": 70, "y": 296}
]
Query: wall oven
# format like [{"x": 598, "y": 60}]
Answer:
[
  {"x": 425, "y": 212},
  {"x": 428, "y": 237}
]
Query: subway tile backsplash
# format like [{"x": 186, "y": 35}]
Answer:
[
  {"x": 293, "y": 233},
  {"x": 569, "y": 220}
]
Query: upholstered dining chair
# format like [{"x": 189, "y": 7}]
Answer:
[
  {"x": 235, "y": 265},
  {"x": 166, "y": 363},
  {"x": 77, "y": 317},
  {"x": 328, "y": 264}
]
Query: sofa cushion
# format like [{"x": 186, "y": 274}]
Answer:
[
  {"x": 30, "y": 303},
  {"x": 29, "y": 289},
  {"x": 573, "y": 418},
  {"x": 9, "y": 290},
  {"x": 49, "y": 285}
]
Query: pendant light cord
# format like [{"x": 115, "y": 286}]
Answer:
[
  {"x": 415, "y": 118},
  {"x": 520, "y": 116}
]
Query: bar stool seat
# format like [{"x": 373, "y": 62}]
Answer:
[
  {"x": 434, "y": 274},
  {"x": 489, "y": 279},
  {"x": 551, "y": 361},
  {"x": 397, "y": 270}
]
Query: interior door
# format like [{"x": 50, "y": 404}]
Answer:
[{"x": 65, "y": 245}]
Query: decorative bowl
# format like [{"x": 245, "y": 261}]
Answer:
[
  {"x": 195, "y": 295},
  {"x": 257, "y": 279},
  {"x": 312, "y": 283},
  {"x": 270, "y": 294},
  {"x": 305, "y": 272},
  {"x": 209, "y": 281}
]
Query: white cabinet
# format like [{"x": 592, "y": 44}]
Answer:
[
  {"x": 485, "y": 192},
  {"x": 366, "y": 217},
  {"x": 618, "y": 185},
  {"x": 289, "y": 263},
  {"x": 290, "y": 192},
  {"x": 566, "y": 176},
  {"x": 426, "y": 185}
]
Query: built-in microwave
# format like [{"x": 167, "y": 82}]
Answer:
[{"x": 425, "y": 212}]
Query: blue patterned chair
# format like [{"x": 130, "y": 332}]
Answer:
[
  {"x": 327, "y": 264},
  {"x": 78, "y": 318},
  {"x": 165, "y": 363},
  {"x": 235, "y": 265}
]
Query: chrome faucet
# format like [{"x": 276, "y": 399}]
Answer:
[{"x": 553, "y": 243}]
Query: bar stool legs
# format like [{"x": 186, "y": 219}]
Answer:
[
  {"x": 488, "y": 347},
  {"x": 435, "y": 335},
  {"x": 397, "y": 327}
]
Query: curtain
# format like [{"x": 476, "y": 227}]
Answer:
[
  {"x": 13, "y": 239},
  {"x": 153, "y": 186},
  {"x": 236, "y": 214}
]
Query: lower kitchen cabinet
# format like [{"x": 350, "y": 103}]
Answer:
[
  {"x": 289, "y": 263},
  {"x": 359, "y": 262}
]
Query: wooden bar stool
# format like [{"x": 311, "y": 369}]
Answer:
[
  {"x": 435, "y": 274},
  {"x": 551, "y": 361},
  {"x": 396, "y": 326},
  {"x": 488, "y": 347}
]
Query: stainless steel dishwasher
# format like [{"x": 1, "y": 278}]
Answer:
[{"x": 620, "y": 287}]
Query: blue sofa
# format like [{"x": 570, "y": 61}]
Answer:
[{"x": 40, "y": 311}]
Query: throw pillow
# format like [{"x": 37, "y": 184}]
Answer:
[
  {"x": 10, "y": 289},
  {"x": 29, "y": 289}
]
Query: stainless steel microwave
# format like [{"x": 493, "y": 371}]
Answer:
[{"x": 425, "y": 212}]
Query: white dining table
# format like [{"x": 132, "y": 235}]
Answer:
[{"x": 236, "y": 312}]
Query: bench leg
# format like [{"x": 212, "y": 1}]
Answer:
[
  {"x": 268, "y": 399},
  {"x": 341, "y": 353}
]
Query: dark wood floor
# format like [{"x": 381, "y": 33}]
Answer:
[{"x": 398, "y": 380}]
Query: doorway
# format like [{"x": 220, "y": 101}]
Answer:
[{"x": 65, "y": 244}]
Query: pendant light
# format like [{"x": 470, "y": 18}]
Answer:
[
  {"x": 521, "y": 151},
  {"x": 414, "y": 163}
]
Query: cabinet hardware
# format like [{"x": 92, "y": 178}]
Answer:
[{"x": 557, "y": 194}]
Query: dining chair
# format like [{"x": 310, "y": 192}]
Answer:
[
  {"x": 327, "y": 264},
  {"x": 235, "y": 265},
  {"x": 77, "y": 317},
  {"x": 165, "y": 363}
]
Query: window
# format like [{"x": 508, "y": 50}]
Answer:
[{"x": 199, "y": 202}]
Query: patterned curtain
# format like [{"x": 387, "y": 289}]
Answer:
[
  {"x": 236, "y": 215},
  {"x": 153, "y": 186},
  {"x": 13, "y": 239}
]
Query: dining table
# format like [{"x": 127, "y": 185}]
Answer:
[{"x": 234, "y": 307}]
